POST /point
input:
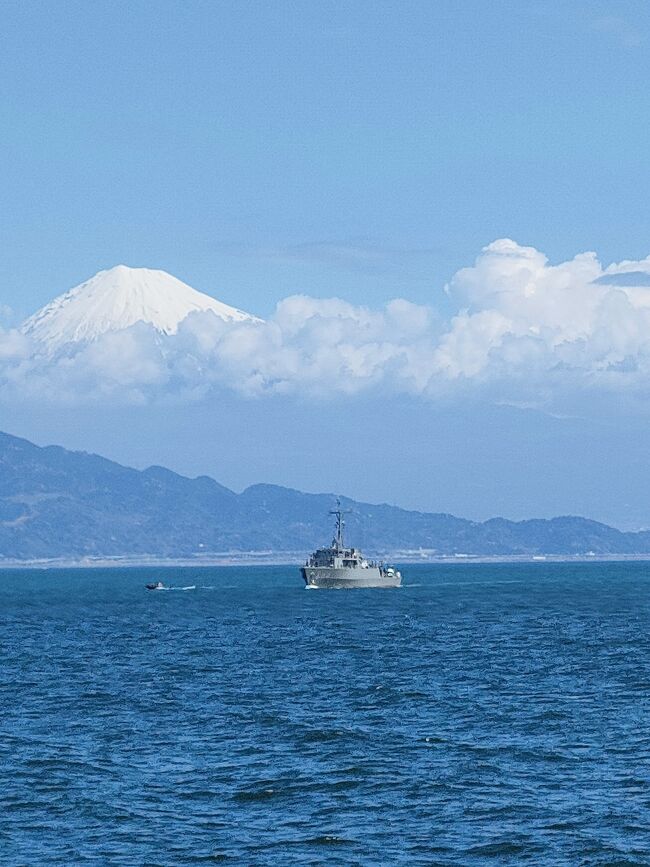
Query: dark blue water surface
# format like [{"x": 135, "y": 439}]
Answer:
[{"x": 479, "y": 714}]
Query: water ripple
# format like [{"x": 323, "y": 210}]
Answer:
[{"x": 483, "y": 714}]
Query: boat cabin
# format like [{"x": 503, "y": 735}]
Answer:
[{"x": 338, "y": 558}]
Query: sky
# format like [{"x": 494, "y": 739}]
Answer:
[{"x": 470, "y": 181}]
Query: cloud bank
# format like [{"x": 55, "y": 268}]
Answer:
[{"x": 524, "y": 330}]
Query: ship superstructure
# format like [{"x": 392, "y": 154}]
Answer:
[{"x": 339, "y": 566}]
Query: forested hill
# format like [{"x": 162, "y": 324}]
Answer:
[{"x": 56, "y": 503}]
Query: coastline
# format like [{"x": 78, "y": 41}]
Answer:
[{"x": 295, "y": 559}]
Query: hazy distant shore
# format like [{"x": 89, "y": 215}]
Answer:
[{"x": 293, "y": 560}]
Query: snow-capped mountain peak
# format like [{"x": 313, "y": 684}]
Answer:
[{"x": 118, "y": 298}]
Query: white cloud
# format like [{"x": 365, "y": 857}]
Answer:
[
  {"x": 13, "y": 346},
  {"x": 311, "y": 345},
  {"x": 525, "y": 330},
  {"x": 524, "y": 315}
]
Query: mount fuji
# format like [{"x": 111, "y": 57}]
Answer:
[{"x": 116, "y": 299}]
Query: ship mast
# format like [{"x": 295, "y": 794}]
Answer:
[{"x": 337, "y": 542}]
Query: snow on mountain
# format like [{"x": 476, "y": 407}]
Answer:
[{"x": 118, "y": 298}]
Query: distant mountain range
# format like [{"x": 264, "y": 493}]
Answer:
[{"x": 56, "y": 503}]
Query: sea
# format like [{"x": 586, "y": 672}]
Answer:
[{"x": 480, "y": 714}]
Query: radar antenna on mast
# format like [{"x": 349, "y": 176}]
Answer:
[{"x": 337, "y": 541}]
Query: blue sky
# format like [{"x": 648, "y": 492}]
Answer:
[
  {"x": 366, "y": 149},
  {"x": 363, "y": 150}
]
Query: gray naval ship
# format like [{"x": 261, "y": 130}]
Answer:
[{"x": 337, "y": 567}]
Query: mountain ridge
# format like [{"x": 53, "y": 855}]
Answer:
[{"x": 56, "y": 503}]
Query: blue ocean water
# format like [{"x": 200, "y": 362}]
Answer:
[{"x": 480, "y": 714}]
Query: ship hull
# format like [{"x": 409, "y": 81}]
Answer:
[{"x": 332, "y": 578}]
